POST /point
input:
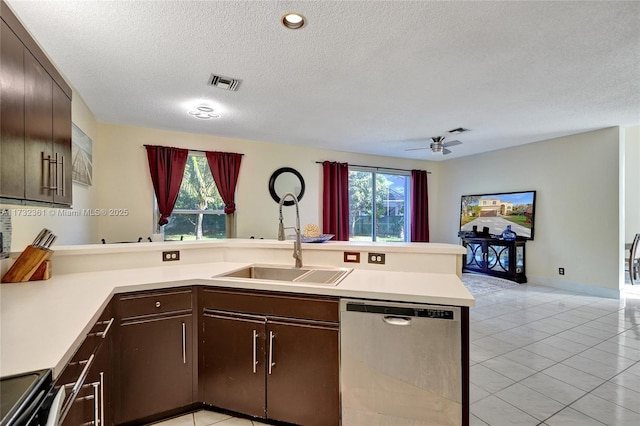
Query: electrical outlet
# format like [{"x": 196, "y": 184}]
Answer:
[
  {"x": 377, "y": 258},
  {"x": 561, "y": 271},
  {"x": 170, "y": 256}
]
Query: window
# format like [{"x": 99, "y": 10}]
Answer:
[
  {"x": 384, "y": 219},
  {"x": 199, "y": 210}
]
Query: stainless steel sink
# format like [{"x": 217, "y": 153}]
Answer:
[{"x": 307, "y": 275}]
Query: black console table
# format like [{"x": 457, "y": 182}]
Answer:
[{"x": 495, "y": 257}]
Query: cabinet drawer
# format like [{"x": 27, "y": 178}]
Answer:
[
  {"x": 141, "y": 304},
  {"x": 91, "y": 343},
  {"x": 264, "y": 303}
]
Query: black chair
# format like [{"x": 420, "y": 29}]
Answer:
[{"x": 634, "y": 260}]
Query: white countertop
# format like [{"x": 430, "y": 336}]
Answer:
[{"x": 43, "y": 322}]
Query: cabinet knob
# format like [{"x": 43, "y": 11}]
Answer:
[{"x": 157, "y": 304}]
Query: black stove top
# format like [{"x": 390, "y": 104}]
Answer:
[{"x": 19, "y": 392}]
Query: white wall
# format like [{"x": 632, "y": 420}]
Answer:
[
  {"x": 122, "y": 178},
  {"x": 70, "y": 229},
  {"x": 577, "y": 205},
  {"x": 632, "y": 182}
]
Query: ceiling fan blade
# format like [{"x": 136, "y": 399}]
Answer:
[
  {"x": 452, "y": 143},
  {"x": 417, "y": 149},
  {"x": 445, "y": 151}
]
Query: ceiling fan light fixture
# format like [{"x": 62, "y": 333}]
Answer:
[
  {"x": 437, "y": 149},
  {"x": 293, "y": 20}
]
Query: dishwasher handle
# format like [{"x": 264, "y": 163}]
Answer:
[{"x": 393, "y": 320}]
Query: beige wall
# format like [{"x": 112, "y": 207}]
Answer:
[
  {"x": 122, "y": 178},
  {"x": 577, "y": 205},
  {"x": 569, "y": 173},
  {"x": 70, "y": 229},
  {"x": 632, "y": 182}
]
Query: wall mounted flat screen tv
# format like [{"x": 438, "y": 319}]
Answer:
[{"x": 496, "y": 211}]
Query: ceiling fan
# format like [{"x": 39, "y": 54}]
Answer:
[{"x": 438, "y": 146}]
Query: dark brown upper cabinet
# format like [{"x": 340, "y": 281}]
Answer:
[{"x": 35, "y": 121}]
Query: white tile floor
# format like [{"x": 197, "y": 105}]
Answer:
[
  {"x": 207, "y": 418},
  {"x": 547, "y": 357},
  {"x": 541, "y": 357}
]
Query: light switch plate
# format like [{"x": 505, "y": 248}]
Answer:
[{"x": 352, "y": 257}]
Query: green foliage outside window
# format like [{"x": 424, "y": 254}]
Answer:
[{"x": 199, "y": 210}]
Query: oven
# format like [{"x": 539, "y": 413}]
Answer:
[{"x": 26, "y": 399}]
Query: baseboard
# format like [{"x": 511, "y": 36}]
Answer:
[{"x": 586, "y": 289}]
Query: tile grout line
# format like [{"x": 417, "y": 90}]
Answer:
[{"x": 584, "y": 323}]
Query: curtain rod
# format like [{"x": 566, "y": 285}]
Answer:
[
  {"x": 376, "y": 168},
  {"x": 188, "y": 149}
]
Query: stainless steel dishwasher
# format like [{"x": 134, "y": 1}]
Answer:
[{"x": 400, "y": 364}]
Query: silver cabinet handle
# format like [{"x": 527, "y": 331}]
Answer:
[
  {"x": 184, "y": 343},
  {"x": 57, "y": 187},
  {"x": 103, "y": 334},
  {"x": 158, "y": 304},
  {"x": 255, "y": 350},
  {"x": 102, "y": 398},
  {"x": 396, "y": 320},
  {"x": 62, "y": 187},
  {"x": 76, "y": 388},
  {"x": 49, "y": 161},
  {"x": 272, "y": 337},
  {"x": 96, "y": 403}
]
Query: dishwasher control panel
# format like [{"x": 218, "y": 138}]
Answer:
[
  {"x": 402, "y": 311},
  {"x": 435, "y": 313}
]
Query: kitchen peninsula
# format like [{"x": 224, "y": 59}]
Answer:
[{"x": 44, "y": 323}]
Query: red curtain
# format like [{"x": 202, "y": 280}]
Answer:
[
  {"x": 225, "y": 167},
  {"x": 166, "y": 165},
  {"x": 419, "y": 207},
  {"x": 335, "y": 200}
]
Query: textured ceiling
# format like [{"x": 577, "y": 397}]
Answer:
[{"x": 362, "y": 76}]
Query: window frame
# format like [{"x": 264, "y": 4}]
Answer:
[
  {"x": 177, "y": 211},
  {"x": 407, "y": 199}
]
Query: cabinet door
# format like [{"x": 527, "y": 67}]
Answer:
[
  {"x": 156, "y": 360},
  {"x": 11, "y": 114},
  {"x": 303, "y": 374},
  {"x": 234, "y": 365},
  {"x": 38, "y": 124},
  {"x": 498, "y": 257},
  {"x": 475, "y": 257},
  {"x": 61, "y": 147}
]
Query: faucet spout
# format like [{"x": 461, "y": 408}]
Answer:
[{"x": 297, "y": 246}]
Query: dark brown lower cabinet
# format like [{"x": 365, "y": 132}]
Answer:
[
  {"x": 234, "y": 364},
  {"x": 155, "y": 366},
  {"x": 302, "y": 383},
  {"x": 90, "y": 372},
  {"x": 92, "y": 404},
  {"x": 270, "y": 366}
]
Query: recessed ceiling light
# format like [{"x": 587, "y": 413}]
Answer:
[{"x": 293, "y": 21}]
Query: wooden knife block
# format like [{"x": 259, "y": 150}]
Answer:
[{"x": 31, "y": 265}]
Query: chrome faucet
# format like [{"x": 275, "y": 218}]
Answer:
[{"x": 297, "y": 246}]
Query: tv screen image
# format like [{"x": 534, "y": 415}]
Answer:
[{"x": 496, "y": 211}]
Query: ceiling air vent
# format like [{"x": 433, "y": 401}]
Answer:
[{"x": 225, "y": 83}]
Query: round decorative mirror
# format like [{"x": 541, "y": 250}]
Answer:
[{"x": 284, "y": 180}]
